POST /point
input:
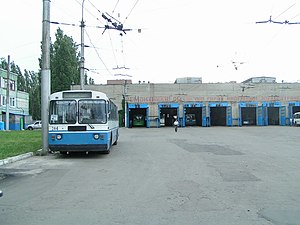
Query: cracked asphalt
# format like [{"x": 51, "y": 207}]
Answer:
[{"x": 215, "y": 176}]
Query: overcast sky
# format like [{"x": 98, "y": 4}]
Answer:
[{"x": 179, "y": 38}]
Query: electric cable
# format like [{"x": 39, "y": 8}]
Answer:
[
  {"x": 94, "y": 6},
  {"x": 111, "y": 43},
  {"x": 131, "y": 10},
  {"x": 80, "y": 3},
  {"x": 97, "y": 11},
  {"x": 115, "y": 6},
  {"x": 98, "y": 54},
  {"x": 285, "y": 10}
]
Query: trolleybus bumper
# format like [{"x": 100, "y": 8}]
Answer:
[{"x": 79, "y": 148}]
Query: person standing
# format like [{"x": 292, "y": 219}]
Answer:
[{"x": 176, "y": 123}]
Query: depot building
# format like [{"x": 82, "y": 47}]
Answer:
[{"x": 257, "y": 101}]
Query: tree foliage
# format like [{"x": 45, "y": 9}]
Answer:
[
  {"x": 91, "y": 81},
  {"x": 64, "y": 63}
]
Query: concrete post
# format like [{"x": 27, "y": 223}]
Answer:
[{"x": 46, "y": 75}]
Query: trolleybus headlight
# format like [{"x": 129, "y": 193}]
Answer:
[
  {"x": 96, "y": 136},
  {"x": 102, "y": 136},
  {"x": 59, "y": 136}
]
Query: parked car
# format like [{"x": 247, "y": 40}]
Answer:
[{"x": 35, "y": 125}]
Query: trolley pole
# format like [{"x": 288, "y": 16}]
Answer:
[
  {"x": 7, "y": 94},
  {"x": 82, "y": 25},
  {"x": 46, "y": 75}
]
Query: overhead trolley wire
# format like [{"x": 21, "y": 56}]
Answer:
[
  {"x": 286, "y": 22},
  {"x": 286, "y": 10},
  {"x": 74, "y": 25},
  {"x": 79, "y": 2},
  {"x": 94, "y": 6},
  {"x": 131, "y": 10},
  {"x": 115, "y": 6},
  {"x": 97, "y": 11},
  {"x": 98, "y": 54},
  {"x": 67, "y": 24},
  {"x": 111, "y": 43}
]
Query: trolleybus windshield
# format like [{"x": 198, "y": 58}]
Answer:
[
  {"x": 92, "y": 111},
  {"x": 62, "y": 112}
]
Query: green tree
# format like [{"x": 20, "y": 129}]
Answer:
[
  {"x": 3, "y": 63},
  {"x": 21, "y": 82},
  {"x": 64, "y": 63},
  {"x": 33, "y": 82},
  {"x": 91, "y": 81}
]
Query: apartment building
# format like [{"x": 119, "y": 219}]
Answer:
[{"x": 18, "y": 103}]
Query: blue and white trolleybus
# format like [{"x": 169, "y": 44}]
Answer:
[{"x": 82, "y": 121}]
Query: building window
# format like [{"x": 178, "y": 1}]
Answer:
[
  {"x": 3, "y": 84},
  {"x": 12, "y": 102},
  {"x": 12, "y": 85},
  {"x": 3, "y": 100}
]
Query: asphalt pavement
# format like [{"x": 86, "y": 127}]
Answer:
[{"x": 209, "y": 176}]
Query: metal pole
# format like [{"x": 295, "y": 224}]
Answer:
[
  {"x": 82, "y": 52},
  {"x": 7, "y": 93},
  {"x": 125, "y": 103},
  {"x": 46, "y": 75}
]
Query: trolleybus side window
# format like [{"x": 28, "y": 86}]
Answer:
[
  {"x": 113, "y": 111},
  {"x": 92, "y": 111},
  {"x": 62, "y": 112}
]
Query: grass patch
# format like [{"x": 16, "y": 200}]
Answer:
[{"x": 14, "y": 143}]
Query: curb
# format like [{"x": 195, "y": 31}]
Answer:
[{"x": 15, "y": 158}]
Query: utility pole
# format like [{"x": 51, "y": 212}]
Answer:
[
  {"x": 46, "y": 75},
  {"x": 7, "y": 93},
  {"x": 82, "y": 25},
  {"x": 125, "y": 103}
]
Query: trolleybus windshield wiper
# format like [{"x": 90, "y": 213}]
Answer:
[{"x": 91, "y": 126}]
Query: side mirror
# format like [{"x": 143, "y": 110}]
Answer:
[{"x": 1, "y": 193}]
